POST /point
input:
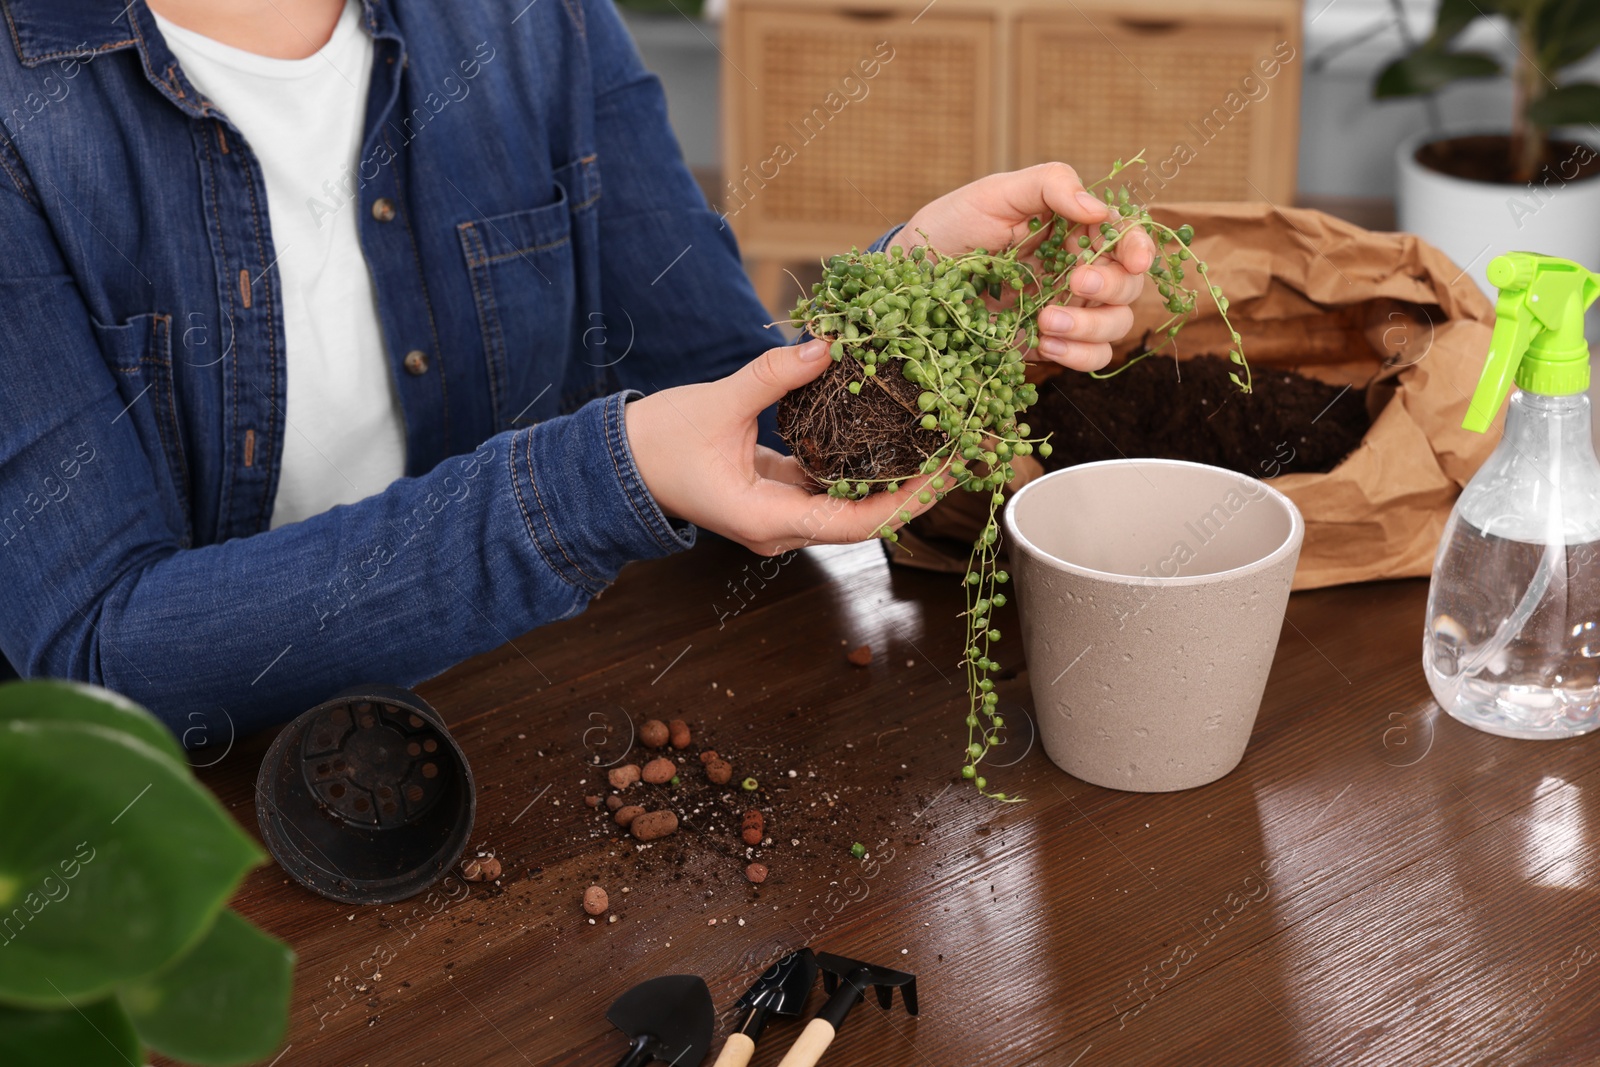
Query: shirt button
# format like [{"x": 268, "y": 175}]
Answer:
[
  {"x": 416, "y": 362},
  {"x": 383, "y": 209}
]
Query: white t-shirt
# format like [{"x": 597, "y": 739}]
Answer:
[{"x": 345, "y": 438}]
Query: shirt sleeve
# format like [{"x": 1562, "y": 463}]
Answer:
[
  {"x": 229, "y": 638},
  {"x": 666, "y": 257}
]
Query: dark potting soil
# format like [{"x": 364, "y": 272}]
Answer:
[
  {"x": 1158, "y": 409},
  {"x": 1488, "y": 158}
]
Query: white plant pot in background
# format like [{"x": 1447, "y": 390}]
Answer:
[{"x": 1472, "y": 222}]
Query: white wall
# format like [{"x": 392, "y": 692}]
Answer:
[{"x": 682, "y": 51}]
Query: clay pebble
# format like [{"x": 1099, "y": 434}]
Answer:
[
  {"x": 678, "y": 733},
  {"x": 595, "y": 901},
  {"x": 660, "y": 771},
  {"x": 653, "y": 825},
  {"x": 484, "y": 869}
]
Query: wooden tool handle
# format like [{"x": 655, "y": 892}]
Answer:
[
  {"x": 809, "y": 1047},
  {"x": 737, "y": 1052}
]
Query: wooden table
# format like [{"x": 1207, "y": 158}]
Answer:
[{"x": 1374, "y": 884}]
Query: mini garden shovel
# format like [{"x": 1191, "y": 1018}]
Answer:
[
  {"x": 669, "y": 1019},
  {"x": 847, "y": 982},
  {"x": 783, "y": 988}
]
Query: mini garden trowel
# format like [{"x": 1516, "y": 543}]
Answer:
[
  {"x": 669, "y": 1019},
  {"x": 847, "y": 982},
  {"x": 783, "y": 989}
]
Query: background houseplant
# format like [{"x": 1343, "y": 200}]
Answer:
[
  {"x": 115, "y": 869},
  {"x": 1475, "y": 193}
]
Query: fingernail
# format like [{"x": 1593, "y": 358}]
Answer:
[
  {"x": 1053, "y": 348},
  {"x": 1088, "y": 281},
  {"x": 1061, "y": 320},
  {"x": 812, "y": 350},
  {"x": 1091, "y": 202}
]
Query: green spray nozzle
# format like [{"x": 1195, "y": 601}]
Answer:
[{"x": 1538, "y": 332}]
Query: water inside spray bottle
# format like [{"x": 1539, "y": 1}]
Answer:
[{"x": 1512, "y": 644}]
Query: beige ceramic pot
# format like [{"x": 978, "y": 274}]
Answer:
[{"x": 1151, "y": 592}]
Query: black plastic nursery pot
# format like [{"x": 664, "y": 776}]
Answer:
[{"x": 366, "y": 798}]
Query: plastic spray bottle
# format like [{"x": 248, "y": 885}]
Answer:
[{"x": 1512, "y": 644}]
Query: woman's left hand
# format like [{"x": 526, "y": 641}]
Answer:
[{"x": 993, "y": 213}]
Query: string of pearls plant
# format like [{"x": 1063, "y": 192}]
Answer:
[{"x": 959, "y": 327}]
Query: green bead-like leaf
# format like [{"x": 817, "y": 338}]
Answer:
[
  {"x": 114, "y": 861},
  {"x": 1427, "y": 71},
  {"x": 58, "y": 701},
  {"x": 93, "y": 1035},
  {"x": 226, "y": 1002},
  {"x": 1570, "y": 105}
]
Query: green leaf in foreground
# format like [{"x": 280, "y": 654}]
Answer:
[
  {"x": 50, "y": 700},
  {"x": 113, "y": 862},
  {"x": 95, "y": 1035},
  {"x": 226, "y": 1002}
]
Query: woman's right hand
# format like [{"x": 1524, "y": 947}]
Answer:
[{"x": 695, "y": 447}]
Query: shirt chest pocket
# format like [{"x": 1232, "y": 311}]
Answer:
[
  {"x": 522, "y": 266},
  {"x": 139, "y": 353}
]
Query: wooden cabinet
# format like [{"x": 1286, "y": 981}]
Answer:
[{"x": 841, "y": 119}]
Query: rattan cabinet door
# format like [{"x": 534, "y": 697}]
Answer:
[
  {"x": 1212, "y": 99},
  {"x": 818, "y": 154}
]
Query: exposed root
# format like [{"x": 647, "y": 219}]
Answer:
[{"x": 874, "y": 436}]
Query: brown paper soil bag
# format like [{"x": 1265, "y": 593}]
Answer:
[{"x": 1312, "y": 293}]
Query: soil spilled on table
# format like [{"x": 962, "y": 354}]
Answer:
[
  {"x": 1162, "y": 409},
  {"x": 733, "y": 846}
]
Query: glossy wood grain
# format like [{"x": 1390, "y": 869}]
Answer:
[{"x": 1375, "y": 884}]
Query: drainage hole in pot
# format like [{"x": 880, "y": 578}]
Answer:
[{"x": 430, "y": 770}]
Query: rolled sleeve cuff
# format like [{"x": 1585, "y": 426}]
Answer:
[
  {"x": 586, "y": 509},
  {"x": 883, "y": 242}
]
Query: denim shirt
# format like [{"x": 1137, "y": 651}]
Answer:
[{"x": 538, "y": 248}]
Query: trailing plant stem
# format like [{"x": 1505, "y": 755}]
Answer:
[{"x": 960, "y": 327}]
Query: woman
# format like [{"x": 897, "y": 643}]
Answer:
[{"x": 326, "y": 326}]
